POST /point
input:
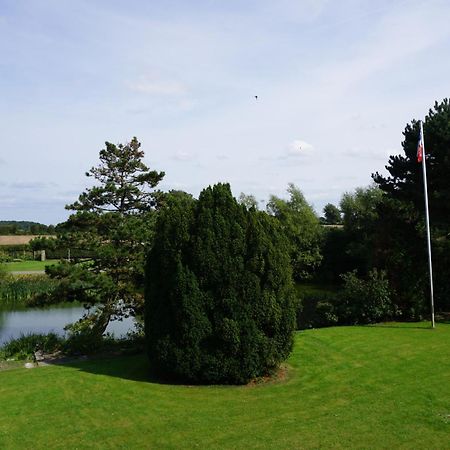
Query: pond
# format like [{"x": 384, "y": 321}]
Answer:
[{"x": 17, "y": 321}]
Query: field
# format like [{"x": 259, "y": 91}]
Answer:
[
  {"x": 348, "y": 387},
  {"x": 28, "y": 266}
]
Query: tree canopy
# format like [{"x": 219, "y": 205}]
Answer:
[
  {"x": 405, "y": 182},
  {"x": 332, "y": 214},
  {"x": 302, "y": 228}
]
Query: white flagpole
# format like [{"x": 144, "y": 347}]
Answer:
[{"x": 427, "y": 216}]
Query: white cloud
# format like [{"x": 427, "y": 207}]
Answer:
[{"x": 299, "y": 148}]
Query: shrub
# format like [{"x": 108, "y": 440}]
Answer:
[
  {"x": 220, "y": 305},
  {"x": 317, "y": 309},
  {"x": 25, "y": 346},
  {"x": 81, "y": 339},
  {"x": 366, "y": 300}
]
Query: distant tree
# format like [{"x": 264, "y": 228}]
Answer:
[
  {"x": 220, "y": 304},
  {"x": 113, "y": 225},
  {"x": 360, "y": 211},
  {"x": 8, "y": 227},
  {"x": 302, "y": 227},
  {"x": 249, "y": 201},
  {"x": 332, "y": 215}
]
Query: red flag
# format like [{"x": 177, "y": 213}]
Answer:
[{"x": 420, "y": 149}]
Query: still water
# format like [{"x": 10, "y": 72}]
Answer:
[{"x": 15, "y": 322}]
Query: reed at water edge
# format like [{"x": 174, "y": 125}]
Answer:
[{"x": 16, "y": 290}]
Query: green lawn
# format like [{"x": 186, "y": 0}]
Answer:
[
  {"x": 348, "y": 387},
  {"x": 22, "y": 266}
]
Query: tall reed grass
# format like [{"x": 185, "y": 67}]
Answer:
[{"x": 18, "y": 290}]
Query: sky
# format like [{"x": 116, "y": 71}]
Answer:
[{"x": 336, "y": 84}]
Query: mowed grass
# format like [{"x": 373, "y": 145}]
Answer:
[
  {"x": 28, "y": 266},
  {"x": 348, "y": 387}
]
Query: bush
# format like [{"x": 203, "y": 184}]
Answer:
[
  {"x": 317, "y": 309},
  {"x": 11, "y": 252},
  {"x": 366, "y": 300},
  {"x": 25, "y": 346},
  {"x": 220, "y": 305}
]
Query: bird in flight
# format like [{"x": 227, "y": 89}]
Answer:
[{"x": 256, "y": 97}]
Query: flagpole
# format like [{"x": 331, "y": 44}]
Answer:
[{"x": 427, "y": 217}]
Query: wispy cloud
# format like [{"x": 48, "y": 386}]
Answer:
[
  {"x": 369, "y": 153},
  {"x": 183, "y": 156},
  {"x": 151, "y": 86},
  {"x": 398, "y": 36},
  {"x": 31, "y": 185}
]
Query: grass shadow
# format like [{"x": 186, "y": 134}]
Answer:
[
  {"x": 400, "y": 326},
  {"x": 137, "y": 368},
  {"x": 424, "y": 325},
  {"x": 133, "y": 367},
  {"x": 128, "y": 367}
]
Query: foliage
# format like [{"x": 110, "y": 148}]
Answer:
[
  {"x": 335, "y": 259},
  {"x": 366, "y": 300},
  {"x": 220, "y": 305},
  {"x": 359, "y": 210},
  {"x": 3, "y": 272},
  {"x": 249, "y": 201},
  {"x": 318, "y": 308},
  {"x": 25, "y": 346},
  {"x": 20, "y": 290},
  {"x": 13, "y": 227},
  {"x": 4, "y": 257},
  {"x": 332, "y": 214},
  {"x": 302, "y": 228},
  {"x": 113, "y": 224},
  {"x": 17, "y": 251},
  {"x": 404, "y": 188},
  {"x": 355, "y": 246},
  {"x": 77, "y": 341},
  {"x": 405, "y": 182}
]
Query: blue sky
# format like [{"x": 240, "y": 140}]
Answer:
[{"x": 336, "y": 84}]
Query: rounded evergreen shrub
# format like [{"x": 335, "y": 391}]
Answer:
[
  {"x": 366, "y": 300},
  {"x": 219, "y": 303}
]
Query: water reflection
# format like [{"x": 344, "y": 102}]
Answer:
[{"x": 15, "y": 322}]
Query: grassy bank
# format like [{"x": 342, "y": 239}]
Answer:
[
  {"x": 347, "y": 387},
  {"x": 28, "y": 266}
]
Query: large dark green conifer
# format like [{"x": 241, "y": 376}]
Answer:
[{"x": 219, "y": 299}]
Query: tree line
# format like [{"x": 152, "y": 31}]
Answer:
[{"x": 14, "y": 227}]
